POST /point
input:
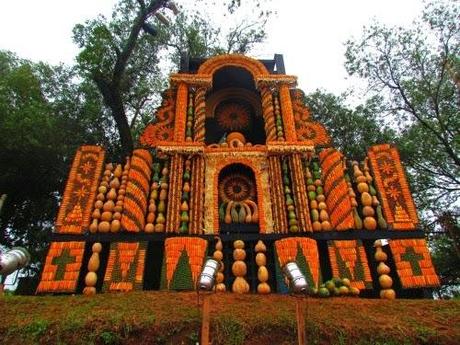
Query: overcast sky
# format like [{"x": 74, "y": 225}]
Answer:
[{"x": 309, "y": 33}]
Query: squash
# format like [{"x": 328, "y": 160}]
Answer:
[
  {"x": 219, "y": 245},
  {"x": 326, "y": 226},
  {"x": 239, "y": 268},
  {"x": 218, "y": 255},
  {"x": 260, "y": 247},
  {"x": 239, "y": 254},
  {"x": 149, "y": 227},
  {"x": 263, "y": 288},
  {"x": 106, "y": 216},
  {"x": 220, "y": 287},
  {"x": 383, "y": 269},
  {"x": 108, "y": 206},
  {"x": 323, "y": 216},
  {"x": 112, "y": 194},
  {"x": 93, "y": 226},
  {"x": 104, "y": 227},
  {"x": 380, "y": 255},
  {"x": 366, "y": 199},
  {"x": 316, "y": 226},
  {"x": 220, "y": 277},
  {"x": 94, "y": 262},
  {"x": 91, "y": 279},
  {"x": 368, "y": 211},
  {"x": 370, "y": 223},
  {"x": 261, "y": 259},
  {"x": 115, "y": 226},
  {"x": 388, "y": 294},
  {"x": 96, "y": 214},
  {"x": 385, "y": 281},
  {"x": 240, "y": 285},
  {"x": 363, "y": 187},
  {"x": 262, "y": 274},
  {"x": 97, "y": 247},
  {"x": 89, "y": 291},
  {"x": 238, "y": 244},
  {"x": 98, "y": 204}
]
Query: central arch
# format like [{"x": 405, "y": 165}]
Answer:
[{"x": 255, "y": 67}]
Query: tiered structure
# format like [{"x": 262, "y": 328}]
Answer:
[{"x": 234, "y": 153}]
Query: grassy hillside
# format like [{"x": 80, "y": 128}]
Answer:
[{"x": 174, "y": 318}]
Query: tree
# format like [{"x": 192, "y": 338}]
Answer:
[
  {"x": 352, "y": 130},
  {"x": 417, "y": 71},
  {"x": 45, "y": 114},
  {"x": 122, "y": 55}
]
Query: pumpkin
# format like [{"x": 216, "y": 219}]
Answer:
[
  {"x": 238, "y": 244},
  {"x": 385, "y": 281},
  {"x": 112, "y": 194},
  {"x": 323, "y": 216},
  {"x": 321, "y": 198},
  {"x": 220, "y": 287},
  {"x": 219, "y": 245},
  {"x": 220, "y": 277},
  {"x": 366, "y": 199},
  {"x": 363, "y": 187},
  {"x": 388, "y": 294},
  {"x": 102, "y": 189},
  {"x": 106, "y": 216},
  {"x": 260, "y": 247},
  {"x": 115, "y": 226},
  {"x": 149, "y": 227},
  {"x": 262, "y": 274},
  {"x": 383, "y": 269},
  {"x": 263, "y": 288},
  {"x": 368, "y": 211},
  {"x": 218, "y": 255},
  {"x": 94, "y": 262},
  {"x": 326, "y": 226},
  {"x": 239, "y": 268},
  {"x": 91, "y": 279},
  {"x": 380, "y": 255},
  {"x": 261, "y": 259},
  {"x": 98, "y": 204},
  {"x": 370, "y": 223},
  {"x": 93, "y": 226},
  {"x": 97, "y": 247},
  {"x": 239, "y": 254},
  {"x": 240, "y": 285},
  {"x": 108, "y": 206},
  {"x": 104, "y": 227},
  {"x": 89, "y": 291},
  {"x": 354, "y": 291},
  {"x": 316, "y": 226}
]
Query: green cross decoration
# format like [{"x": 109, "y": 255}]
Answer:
[
  {"x": 61, "y": 262},
  {"x": 413, "y": 258}
]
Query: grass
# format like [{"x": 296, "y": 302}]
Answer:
[{"x": 174, "y": 318}]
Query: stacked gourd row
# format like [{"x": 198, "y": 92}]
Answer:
[
  {"x": 383, "y": 271},
  {"x": 318, "y": 208},
  {"x": 278, "y": 118},
  {"x": 262, "y": 272},
  {"x": 184, "y": 207},
  {"x": 158, "y": 198},
  {"x": 219, "y": 256},
  {"x": 239, "y": 268},
  {"x": 368, "y": 207},
  {"x": 189, "y": 123},
  {"x": 289, "y": 201},
  {"x": 93, "y": 265},
  {"x": 109, "y": 200}
]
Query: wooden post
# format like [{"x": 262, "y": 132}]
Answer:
[
  {"x": 300, "y": 316},
  {"x": 205, "y": 320}
]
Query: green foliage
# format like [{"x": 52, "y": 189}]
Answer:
[
  {"x": 45, "y": 114},
  {"x": 353, "y": 130}
]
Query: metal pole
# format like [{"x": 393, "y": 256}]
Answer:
[
  {"x": 300, "y": 316},
  {"x": 205, "y": 320}
]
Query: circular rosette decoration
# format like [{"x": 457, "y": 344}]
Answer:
[
  {"x": 237, "y": 193},
  {"x": 233, "y": 116},
  {"x": 236, "y": 187}
]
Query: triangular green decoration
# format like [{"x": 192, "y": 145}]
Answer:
[
  {"x": 344, "y": 271},
  {"x": 303, "y": 266},
  {"x": 163, "y": 280},
  {"x": 182, "y": 278}
]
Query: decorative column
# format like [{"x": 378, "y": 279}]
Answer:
[
  {"x": 288, "y": 114},
  {"x": 200, "y": 114},
  {"x": 277, "y": 195},
  {"x": 181, "y": 112},
  {"x": 175, "y": 193},
  {"x": 268, "y": 112},
  {"x": 299, "y": 191},
  {"x": 197, "y": 195}
]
